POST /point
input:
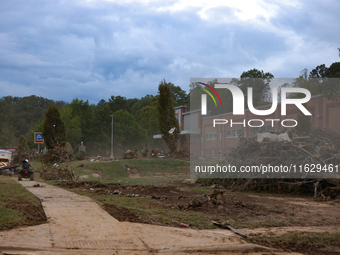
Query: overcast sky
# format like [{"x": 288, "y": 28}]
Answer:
[{"x": 93, "y": 49}]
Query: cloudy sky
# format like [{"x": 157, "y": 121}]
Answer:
[{"x": 92, "y": 49}]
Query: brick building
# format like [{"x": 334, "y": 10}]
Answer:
[{"x": 198, "y": 133}]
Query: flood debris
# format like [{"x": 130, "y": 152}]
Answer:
[
  {"x": 321, "y": 147},
  {"x": 194, "y": 204},
  {"x": 316, "y": 150},
  {"x": 133, "y": 195},
  {"x": 38, "y": 185},
  {"x": 145, "y": 150},
  {"x": 129, "y": 154},
  {"x": 226, "y": 225},
  {"x": 216, "y": 195},
  {"x": 155, "y": 153},
  {"x": 58, "y": 173},
  {"x": 273, "y": 137}
]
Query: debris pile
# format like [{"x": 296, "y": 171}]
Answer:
[
  {"x": 299, "y": 151},
  {"x": 145, "y": 151},
  {"x": 155, "y": 153},
  {"x": 183, "y": 153},
  {"x": 129, "y": 154},
  {"x": 57, "y": 154},
  {"x": 321, "y": 147},
  {"x": 101, "y": 159},
  {"x": 58, "y": 173}
]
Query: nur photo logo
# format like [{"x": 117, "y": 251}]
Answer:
[{"x": 239, "y": 105}]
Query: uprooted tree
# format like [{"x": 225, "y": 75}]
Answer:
[{"x": 167, "y": 122}]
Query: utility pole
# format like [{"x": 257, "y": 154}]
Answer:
[{"x": 111, "y": 156}]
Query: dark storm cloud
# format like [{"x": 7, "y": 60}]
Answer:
[{"x": 95, "y": 49}]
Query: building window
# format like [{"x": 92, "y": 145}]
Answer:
[
  {"x": 262, "y": 129},
  {"x": 211, "y": 136},
  {"x": 234, "y": 133}
]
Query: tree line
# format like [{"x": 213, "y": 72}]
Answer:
[{"x": 135, "y": 120}]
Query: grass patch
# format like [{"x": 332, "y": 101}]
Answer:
[
  {"x": 159, "y": 166},
  {"x": 10, "y": 218},
  {"x": 152, "y": 171},
  {"x": 18, "y": 206},
  {"x": 13, "y": 192}
]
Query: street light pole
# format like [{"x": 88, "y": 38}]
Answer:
[{"x": 111, "y": 156}]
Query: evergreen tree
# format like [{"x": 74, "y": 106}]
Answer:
[
  {"x": 22, "y": 150},
  {"x": 167, "y": 122},
  {"x": 54, "y": 129}
]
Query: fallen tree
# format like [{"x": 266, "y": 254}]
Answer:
[{"x": 322, "y": 147}]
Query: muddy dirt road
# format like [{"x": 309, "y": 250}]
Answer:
[{"x": 77, "y": 225}]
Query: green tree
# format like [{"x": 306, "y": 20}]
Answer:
[
  {"x": 259, "y": 81},
  {"x": 7, "y": 134},
  {"x": 327, "y": 86},
  {"x": 167, "y": 121},
  {"x": 37, "y": 126},
  {"x": 22, "y": 149},
  {"x": 318, "y": 72},
  {"x": 179, "y": 95},
  {"x": 255, "y": 73},
  {"x": 127, "y": 132},
  {"x": 85, "y": 112},
  {"x": 147, "y": 100},
  {"x": 314, "y": 86},
  {"x": 18, "y": 115},
  {"x": 72, "y": 125},
  {"x": 333, "y": 71},
  {"x": 147, "y": 118},
  {"x": 54, "y": 131},
  {"x": 97, "y": 130},
  {"x": 121, "y": 103}
]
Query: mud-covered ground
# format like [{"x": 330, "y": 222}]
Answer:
[
  {"x": 241, "y": 210},
  {"x": 277, "y": 221},
  {"x": 78, "y": 225},
  {"x": 34, "y": 214},
  {"x": 305, "y": 242}
]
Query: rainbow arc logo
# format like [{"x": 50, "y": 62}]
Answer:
[{"x": 208, "y": 92}]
